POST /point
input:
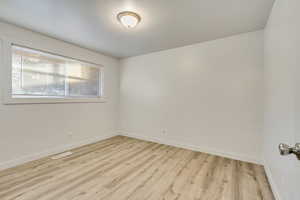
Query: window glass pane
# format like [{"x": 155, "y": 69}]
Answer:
[
  {"x": 83, "y": 80},
  {"x": 39, "y": 74}
]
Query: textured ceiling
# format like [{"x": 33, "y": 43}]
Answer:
[{"x": 165, "y": 23}]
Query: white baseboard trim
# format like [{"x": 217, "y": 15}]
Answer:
[
  {"x": 60, "y": 149},
  {"x": 272, "y": 182},
  {"x": 233, "y": 156}
]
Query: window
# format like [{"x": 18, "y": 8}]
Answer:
[{"x": 39, "y": 75}]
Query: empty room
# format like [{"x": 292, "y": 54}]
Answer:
[{"x": 149, "y": 100}]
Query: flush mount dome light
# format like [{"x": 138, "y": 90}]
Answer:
[{"x": 129, "y": 19}]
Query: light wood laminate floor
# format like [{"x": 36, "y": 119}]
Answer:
[{"x": 122, "y": 168}]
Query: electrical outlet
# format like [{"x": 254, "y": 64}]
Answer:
[{"x": 70, "y": 134}]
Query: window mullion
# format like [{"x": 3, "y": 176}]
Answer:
[{"x": 67, "y": 93}]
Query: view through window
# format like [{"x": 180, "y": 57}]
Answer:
[{"x": 36, "y": 74}]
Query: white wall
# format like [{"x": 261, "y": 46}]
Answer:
[
  {"x": 206, "y": 96},
  {"x": 282, "y": 69},
  {"x": 29, "y": 131}
]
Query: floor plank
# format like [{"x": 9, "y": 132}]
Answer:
[{"x": 122, "y": 168}]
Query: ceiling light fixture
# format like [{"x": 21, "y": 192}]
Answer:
[{"x": 129, "y": 19}]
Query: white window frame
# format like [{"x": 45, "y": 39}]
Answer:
[{"x": 6, "y": 58}]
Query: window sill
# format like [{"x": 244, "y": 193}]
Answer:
[{"x": 46, "y": 100}]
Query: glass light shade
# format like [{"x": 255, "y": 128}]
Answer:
[{"x": 129, "y": 19}]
